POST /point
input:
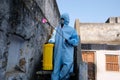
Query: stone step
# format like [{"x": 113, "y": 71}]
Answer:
[
  {"x": 43, "y": 72},
  {"x": 43, "y": 75}
]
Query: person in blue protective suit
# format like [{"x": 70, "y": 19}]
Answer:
[{"x": 65, "y": 39}]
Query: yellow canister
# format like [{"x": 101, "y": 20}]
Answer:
[{"x": 48, "y": 56}]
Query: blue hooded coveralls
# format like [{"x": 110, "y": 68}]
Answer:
[{"x": 63, "y": 51}]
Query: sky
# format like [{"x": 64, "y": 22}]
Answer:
[{"x": 89, "y": 11}]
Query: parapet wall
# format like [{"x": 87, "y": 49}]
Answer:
[{"x": 99, "y": 33}]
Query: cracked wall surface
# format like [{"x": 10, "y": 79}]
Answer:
[{"x": 22, "y": 35}]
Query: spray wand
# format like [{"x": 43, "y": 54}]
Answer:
[{"x": 44, "y": 20}]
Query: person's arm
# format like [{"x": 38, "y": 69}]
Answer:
[
  {"x": 52, "y": 39},
  {"x": 74, "y": 39}
]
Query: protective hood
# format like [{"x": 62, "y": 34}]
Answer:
[{"x": 65, "y": 16}]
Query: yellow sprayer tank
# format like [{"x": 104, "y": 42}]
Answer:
[{"x": 48, "y": 56}]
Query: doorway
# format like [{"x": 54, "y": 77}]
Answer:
[{"x": 88, "y": 57}]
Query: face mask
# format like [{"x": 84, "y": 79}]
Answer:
[{"x": 62, "y": 21}]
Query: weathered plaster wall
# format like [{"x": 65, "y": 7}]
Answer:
[
  {"x": 102, "y": 33},
  {"x": 22, "y": 35}
]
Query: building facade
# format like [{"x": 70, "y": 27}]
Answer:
[{"x": 100, "y": 45}]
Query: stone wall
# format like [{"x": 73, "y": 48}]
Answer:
[{"x": 22, "y": 35}]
